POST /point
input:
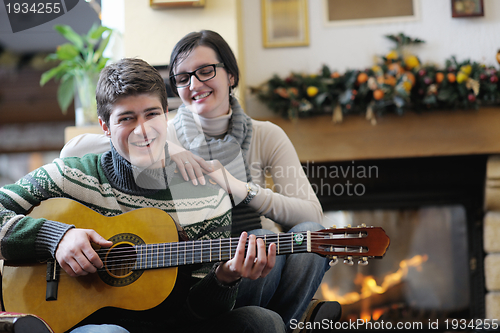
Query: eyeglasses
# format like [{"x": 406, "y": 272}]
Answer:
[{"x": 203, "y": 74}]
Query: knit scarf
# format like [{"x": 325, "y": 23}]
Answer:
[
  {"x": 227, "y": 149},
  {"x": 231, "y": 150}
]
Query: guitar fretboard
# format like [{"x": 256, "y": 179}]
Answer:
[{"x": 204, "y": 251}]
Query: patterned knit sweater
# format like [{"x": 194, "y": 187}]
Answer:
[{"x": 108, "y": 184}]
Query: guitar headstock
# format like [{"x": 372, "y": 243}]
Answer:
[{"x": 350, "y": 243}]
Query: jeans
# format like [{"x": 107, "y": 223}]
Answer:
[
  {"x": 100, "y": 329},
  {"x": 248, "y": 319},
  {"x": 290, "y": 285}
]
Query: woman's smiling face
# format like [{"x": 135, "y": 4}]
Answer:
[{"x": 209, "y": 99}]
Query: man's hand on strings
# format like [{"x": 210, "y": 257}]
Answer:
[{"x": 75, "y": 253}]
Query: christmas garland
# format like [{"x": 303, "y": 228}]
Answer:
[{"x": 396, "y": 83}]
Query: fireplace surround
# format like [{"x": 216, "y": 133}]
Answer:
[{"x": 432, "y": 159}]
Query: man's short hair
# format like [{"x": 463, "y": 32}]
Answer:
[{"x": 127, "y": 77}]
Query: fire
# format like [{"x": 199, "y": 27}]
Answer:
[
  {"x": 369, "y": 285},
  {"x": 377, "y": 313}
]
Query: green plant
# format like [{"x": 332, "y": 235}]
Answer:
[{"x": 80, "y": 60}]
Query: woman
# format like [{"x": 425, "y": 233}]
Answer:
[{"x": 212, "y": 125}]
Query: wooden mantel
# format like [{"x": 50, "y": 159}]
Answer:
[{"x": 437, "y": 133}]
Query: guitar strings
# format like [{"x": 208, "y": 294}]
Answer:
[
  {"x": 286, "y": 242},
  {"x": 197, "y": 245},
  {"x": 185, "y": 251},
  {"x": 223, "y": 247},
  {"x": 200, "y": 244}
]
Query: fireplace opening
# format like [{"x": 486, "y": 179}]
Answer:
[
  {"x": 432, "y": 209},
  {"x": 423, "y": 278}
]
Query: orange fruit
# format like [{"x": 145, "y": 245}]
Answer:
[
  {"x": 451, "y": 77},
  {"x": 294, "y": 91},
  {"x": 439, "y": 77},
  {"x": 378, "y": 94},
  {"x": 362, "y": 78},
  {"x": 390, "y": 80},
  {"x": 395, "y": 67},
  {"x": 335, "y": 75},
  {"x": 281, "y": 92},
  {"x": 411, "y": 77}
]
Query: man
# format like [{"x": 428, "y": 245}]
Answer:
[{"x": 137, "y": 172}]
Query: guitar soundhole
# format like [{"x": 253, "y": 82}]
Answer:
[{"x": 120, "y": 260}]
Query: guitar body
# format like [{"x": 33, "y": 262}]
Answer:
[
  {"x": 24, "y": 284},
  {"x": 145, "y": 241}
]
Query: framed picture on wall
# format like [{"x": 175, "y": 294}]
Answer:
[
  {"x": 176, "y": 3},
  {"x": 467, "y": 8},
  {"x": 362, "y": 12},
  {"x": 284, "y": 23}
]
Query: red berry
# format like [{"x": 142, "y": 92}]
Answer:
[
  {"x": 494, "y": 79},
  {"x": 472, "y": 98}
]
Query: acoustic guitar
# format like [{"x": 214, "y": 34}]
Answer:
[{"x": 140, "y": 268}]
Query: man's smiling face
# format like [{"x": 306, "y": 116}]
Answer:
[{"x": 138, "y": 130}]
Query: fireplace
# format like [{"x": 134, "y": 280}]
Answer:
[
  {"x": 432, "y": 209},
  {"x": 408, "y": 165}
]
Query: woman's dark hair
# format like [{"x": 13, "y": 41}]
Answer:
[{"x": 209, "y": 39}]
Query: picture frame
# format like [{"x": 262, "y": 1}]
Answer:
[
  {"x": 285, "y": 23},
  {"x": 467, "y": 8},
  {"x": 158, "y": 4},
  {"x": 365, "y": 12}
]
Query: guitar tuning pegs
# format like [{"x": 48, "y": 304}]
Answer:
[
  {"x": 334, "y": 261},
  {"x": 362, "y": 225},
  {"x": 348, "y": 261},
  {"x": 363, "y": 261},
  {"x": 333, "y": 227},
  {"x": 348, "y": 226}
]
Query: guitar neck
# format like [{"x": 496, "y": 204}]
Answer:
[{"x": 162, "y": 255}]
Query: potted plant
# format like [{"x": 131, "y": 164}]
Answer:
[{"x": 80, "y": 62}]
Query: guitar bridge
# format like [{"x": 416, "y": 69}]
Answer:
[{"x": 52, "y": 279}]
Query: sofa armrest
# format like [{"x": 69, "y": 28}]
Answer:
[{"x": 22, "y": 323}]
